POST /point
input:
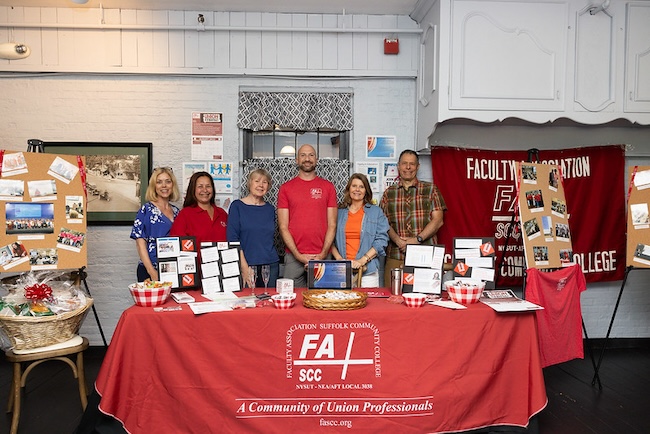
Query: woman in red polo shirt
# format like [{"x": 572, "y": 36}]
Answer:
[{"x": 200, "y": 217}]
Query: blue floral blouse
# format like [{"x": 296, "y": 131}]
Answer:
[{"x": 150, "y": 223}]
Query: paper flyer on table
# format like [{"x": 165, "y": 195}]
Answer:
[
  {"x": 448, "y": 304},
  {"x": 506, "y": 301}
]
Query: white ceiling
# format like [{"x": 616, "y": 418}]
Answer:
[{"x": 370, "y": 7}]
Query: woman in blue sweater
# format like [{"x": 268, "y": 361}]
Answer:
[
  {"x": 251, "y": 221},
  {"x": 361, "y": 230}
]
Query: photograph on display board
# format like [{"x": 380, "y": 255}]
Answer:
[
  {"x": 546, "y": 229},
  {"x": 29, "y": 218},
  {"x": 638, "y": 219},
  {"x": 11, "y": 189},
  {"x": 42, "y": 213}
]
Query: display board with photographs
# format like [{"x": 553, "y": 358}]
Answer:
[
  {"x": 220, "y": 268},
  {"x": 544, "y": 218},
  {"x": 177, "y": 262},
  {"x": 638, "y": 218},
  {"x": 422, "y": 270},
  {"x": 474, "y": 259},
  {"x": 43, "y": 212}
]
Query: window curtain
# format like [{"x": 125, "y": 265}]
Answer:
[{"x": 300, "y": 111}]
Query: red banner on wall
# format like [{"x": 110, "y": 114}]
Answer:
[{"x": 479, "y": 187}]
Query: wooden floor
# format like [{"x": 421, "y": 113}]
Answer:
[{"x": 51, "y": 401}]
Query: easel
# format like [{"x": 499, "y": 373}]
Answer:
[
  {"x": 35, "y": 145},
  {"x": 81, "y": 277},
  {"x": 534, "y": 154},
  {"x": 611, "y": 322}
]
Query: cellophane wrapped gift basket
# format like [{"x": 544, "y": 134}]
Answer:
[{"x": 41, "y": 308}]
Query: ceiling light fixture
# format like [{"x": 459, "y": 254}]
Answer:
[
  {"x": 288, "y": 151},
  {"x": 80, "y": 2}
]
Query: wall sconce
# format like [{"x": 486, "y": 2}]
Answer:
[
  {"x": 14, "y": 51},
  {"x": 288, "y": 151}
]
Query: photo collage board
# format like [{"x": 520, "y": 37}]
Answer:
[
  {"x": 474, "y": 259},
  {"x": 43, "y": 212},
  {"x": 638, "y": 218},
  {"x": 544, "y": 217},
  {"x": 423, "y": 268}
]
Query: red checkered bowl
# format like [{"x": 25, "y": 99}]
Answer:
[
  {"x": 283, "y": 301},
  {"x": 147, "y": 296},
  {"x": 464, "y": 292},
  {"x": 414, "y": 299}
]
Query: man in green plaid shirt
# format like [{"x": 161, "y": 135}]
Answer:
[{"x": 415, "y": 211}]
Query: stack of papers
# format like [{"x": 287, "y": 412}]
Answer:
[
  {"x": 221, "y": 302},
  {"x": 507, "y": 301}
]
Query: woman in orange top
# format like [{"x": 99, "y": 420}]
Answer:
[{"x": 361, "y": 230}]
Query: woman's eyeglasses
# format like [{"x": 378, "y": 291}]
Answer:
[{"x": 164, "y": 168}]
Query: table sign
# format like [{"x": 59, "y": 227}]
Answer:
[
  {"x": 220, "y": 267},
  {"x": 423, "y": 269},
  {"x": 177, "y": 258},
  {"x": 474, "y": 259}
]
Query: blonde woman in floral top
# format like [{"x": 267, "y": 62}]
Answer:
[{"x": 154, "y": 220}]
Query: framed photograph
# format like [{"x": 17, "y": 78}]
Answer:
[{"x": 117, "y": 175}]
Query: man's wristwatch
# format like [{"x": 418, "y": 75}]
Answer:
[{"x": 419, "y": 238}]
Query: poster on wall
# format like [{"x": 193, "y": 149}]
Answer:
[
  {"x": 638, "y": 218},
  {"x": 372, "y": 172},
  {"x": 222, "y": 175},
  {"x": 390, "y": 174},
  {"x": 207, "y": 136},
  {"x": 544, "y": 217},
  {"x": 381, "y": 146},
  {"x": 42, "y": 212},
  {"x": 190, "y": 169}
]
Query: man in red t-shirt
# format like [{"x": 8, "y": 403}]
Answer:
[{"x": 307, "y": 212}]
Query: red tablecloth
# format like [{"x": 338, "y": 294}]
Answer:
[{"x": 380, "y": 368}]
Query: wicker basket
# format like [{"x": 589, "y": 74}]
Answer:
[
  {"x": 311, "y": 300},
  {"x": 27, "y": 332}
]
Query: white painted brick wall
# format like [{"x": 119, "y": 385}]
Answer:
[{"x": 157, "y": 109}]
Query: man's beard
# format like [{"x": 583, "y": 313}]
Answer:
[{"x": 305, "y": 168}]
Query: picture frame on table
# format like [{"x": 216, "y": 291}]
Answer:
[{"x": 117, "y": 176}]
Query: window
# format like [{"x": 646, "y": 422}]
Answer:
[{"x": 277, "y": 143}]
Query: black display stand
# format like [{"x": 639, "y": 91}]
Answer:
[
  {"x": 81, "y": 277},
  {"x": 611, "y": 324}
]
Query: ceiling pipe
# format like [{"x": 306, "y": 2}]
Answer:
[{"x": 205, "y": 28}]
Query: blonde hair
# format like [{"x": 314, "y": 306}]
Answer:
[
  {"x": 151, "y": 195},
  {"x": 256, "y": 172}
]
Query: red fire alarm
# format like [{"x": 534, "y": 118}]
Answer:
[{"x": 391, "y": 46}]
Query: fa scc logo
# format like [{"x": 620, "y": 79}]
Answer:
[{"x": 320, "y": 350}]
